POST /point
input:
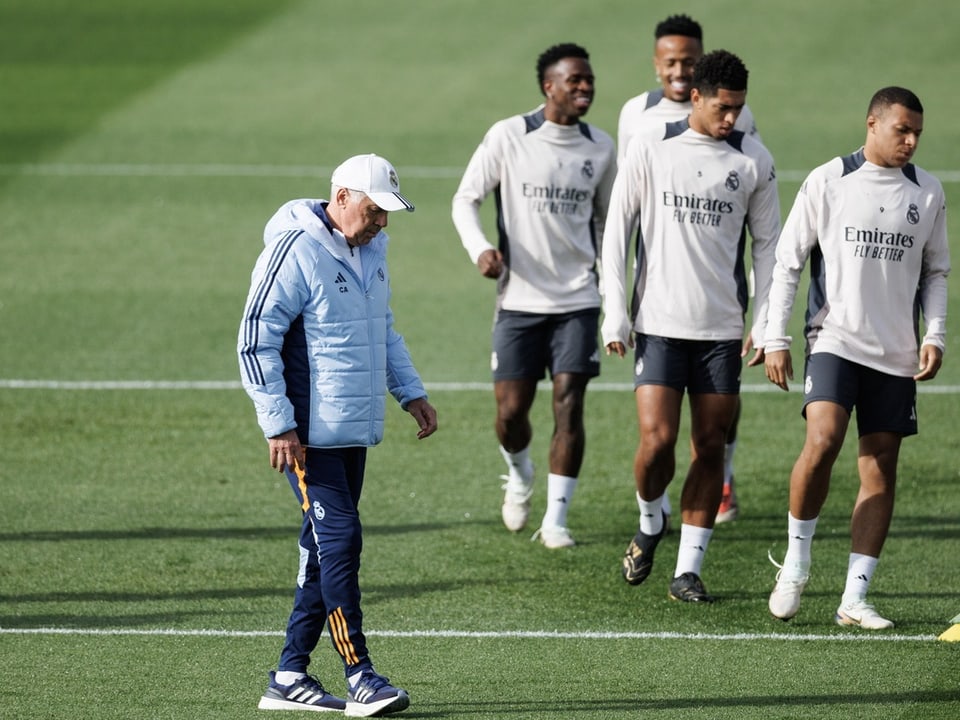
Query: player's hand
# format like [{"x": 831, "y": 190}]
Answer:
[
  {"x": 616, "y": 348},
  {"x": 931, "y": 358},
  {"x": 425, "y": 415},
  {"x": 490, "y": 263},
  {"x": 758, "y": 358},
  {"x": 779, "y": 367},
  {"x": 286, "y": 452}
]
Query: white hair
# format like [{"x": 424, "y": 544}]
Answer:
[{"x": 355, "y": 195}]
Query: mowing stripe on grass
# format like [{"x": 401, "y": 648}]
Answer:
[
  {"x": 13, "y": 384},
  {"x": 494, "y": 635},
  {"x": 274, "y": 171}
]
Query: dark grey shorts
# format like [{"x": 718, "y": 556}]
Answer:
[
  {"x": 884, "y": 403},
  {"x": 699, "y": 366},
  {"x": 526, "y": 344}
]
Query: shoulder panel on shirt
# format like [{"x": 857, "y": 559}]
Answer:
[
  {"x": 910, "y": 172},
  {"x": 673, "y": 129},
  {"x": 853, "y": 161},
  {"x": 534, "y": 120},
  {"x": 653, "y": 98},
  {"x": 735, "y": 140}
]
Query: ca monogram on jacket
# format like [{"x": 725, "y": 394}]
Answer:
[{"x": 343, "y": 286}]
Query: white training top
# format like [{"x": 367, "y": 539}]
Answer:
[
  {"x": 552, "y": 185},
  {"x": 654, "y": 108},
  {"x": 695, "y": 196},
  {"x": 877, "y": 242}
]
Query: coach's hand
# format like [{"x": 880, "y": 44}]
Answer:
[
  {"x": 425, "y": 415},
  {"x": 286, "y": 452}
]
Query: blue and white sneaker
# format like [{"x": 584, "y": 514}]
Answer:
[
  {"x": 372, "y": 695},
  {"x": 305, "y": 694}
]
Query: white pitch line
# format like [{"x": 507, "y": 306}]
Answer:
[
  {"x": 274, "y": 171},
  {"x": 493, "y": 635},
  {"x": 120, "y": 384},
  {"x": 15, "y": 384}
]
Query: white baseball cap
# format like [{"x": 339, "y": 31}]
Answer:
[{"x": 374, "y": 176}]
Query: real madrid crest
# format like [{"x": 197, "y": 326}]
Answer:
[{"x": 733, "y": 181}]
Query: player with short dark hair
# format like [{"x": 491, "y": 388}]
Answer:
[
  {"x": 694, "y": 186},
  {"x": 551, "y": 173},
  {"x": 554, "y": 54},
  {"x": 720, "y": 71},
  {"x": 873, "y": 226},
  {"x": 678, "y": 44},
  {"x": 679, "y": 25}
]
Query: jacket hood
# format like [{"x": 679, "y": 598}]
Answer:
[{"x": 304, "y": 214}]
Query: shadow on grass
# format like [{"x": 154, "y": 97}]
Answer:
[
  {"x": 196, "y": 595},
  {"x": 227, "y": 533},
  {"x": 154, "y": 533},
  {"x": 60, "y": 621}
]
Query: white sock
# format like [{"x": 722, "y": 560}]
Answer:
[
  {"x": 651, "y": 515},
  {"x": 519, "y": 466},
  {"x": 859, "y": 573},
  {"x": 799, "y": 539},
  {"x": 559, "y": 494},
  {"x": 693, "y": 546},
  {"x": 728, "y": 451},
  {"x": 665, "y": 506},
  {"x": 287, "y": 677}
]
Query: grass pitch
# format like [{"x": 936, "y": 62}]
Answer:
[{"x": 148, "y": 550}]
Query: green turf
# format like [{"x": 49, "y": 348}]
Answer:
[{"x": 144, "y": 144}]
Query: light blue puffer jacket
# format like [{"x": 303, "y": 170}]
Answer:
[{"x": 317, "y": 346}]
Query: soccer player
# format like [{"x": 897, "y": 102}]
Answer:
[
  {"x": 694, "y": 185},
  {"x": 678, "y": 44},
  {"x": 551, "y": 173},
  {"x": 873, "y": 226},
  {"x": 318, "y": 352}
]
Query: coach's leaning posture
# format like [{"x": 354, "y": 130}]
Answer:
[
  {"x": 317, "y": 351},
  {"x": 874, "y": 228}
]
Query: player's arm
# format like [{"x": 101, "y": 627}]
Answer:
[
  {"x": 934, "y": 270},
  {"x": 763, "y": 220},
  {"x": 481, "y": 176},
  {"x": 626, "y": 123},
  {"x": 797, "y": 239},
  {"x": 601, "y": 196},
  {"x": 621, "y": 215}
]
